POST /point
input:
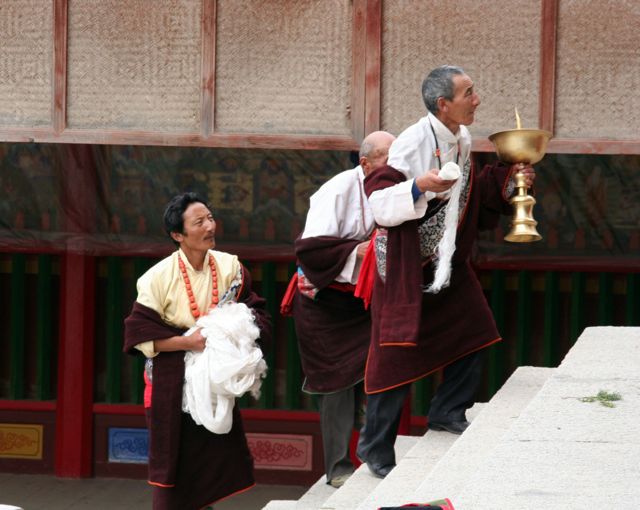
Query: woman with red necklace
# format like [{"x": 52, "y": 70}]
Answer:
[{"x": 189, "y": 466}]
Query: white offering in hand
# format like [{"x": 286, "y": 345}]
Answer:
[{"x": 450, "y": 171}]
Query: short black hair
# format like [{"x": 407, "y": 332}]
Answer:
[{"x": 173, "y": 213}]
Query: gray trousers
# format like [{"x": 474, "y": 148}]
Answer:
[
  {"x": 452, "y": 398},
  {"x": 339, "y": 415}
]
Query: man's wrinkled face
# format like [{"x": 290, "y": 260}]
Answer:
[
  {"x": 199, "y": 228},
  {"x": 462, "y": 108}
]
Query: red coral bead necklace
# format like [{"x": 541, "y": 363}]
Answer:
[{"x": 195, "y": 311}]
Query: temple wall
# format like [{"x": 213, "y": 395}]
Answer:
[
  {"x": 26, "y": 63},
  {"x": 249, "y": 73},
  {"x": 134, "y": 65},
  {"x": 499, "y": 48},
  {"x": 598, "y": 69},
  {"x": 283, "y": 69}
]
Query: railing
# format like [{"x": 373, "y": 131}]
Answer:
[
  {"x": 539, "y": 312},
  {"x": 28, "y": 326}
]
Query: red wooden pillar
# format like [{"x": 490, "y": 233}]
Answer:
[{"x": 74, "y": 409}]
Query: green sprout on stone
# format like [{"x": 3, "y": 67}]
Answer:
[{"x": 605, "y": 398}]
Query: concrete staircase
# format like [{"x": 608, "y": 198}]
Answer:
[
  {"x": 535, "y": 445},
  {"x": 355, "y": 488}
]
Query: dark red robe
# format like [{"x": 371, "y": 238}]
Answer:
[
  {"x": 189, "y": 466},
  {"x": 415, "y": 333},
  {"x": 333, "y": 329}
]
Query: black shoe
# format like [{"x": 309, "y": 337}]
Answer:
[
  {"x": 380, "y": 471},
  {"x": 455, "y": 427}
]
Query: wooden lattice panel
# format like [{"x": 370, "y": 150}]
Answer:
[
  {"x": 26, "y": 62},
  {"x": 134, "y": 64},
  {"x": 497, "y": 44},
  {"x": 283, "y": 66},
  {"x": 598, "y": 71}
]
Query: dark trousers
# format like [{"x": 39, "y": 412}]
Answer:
[
  {"x": 452, "y": 398},
  {"x": 339, "y": 415}
]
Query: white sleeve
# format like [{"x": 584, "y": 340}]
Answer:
[
  {"x": 351, "y": 269},
  {"x": 325, "y": 216},
  {"x": 394, "y": 205}
]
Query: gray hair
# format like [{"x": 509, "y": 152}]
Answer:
[
  {"x": 365, "y": 149},
  {"x": 439, "y": 83}
]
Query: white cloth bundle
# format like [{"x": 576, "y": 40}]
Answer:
[
  {"x": 447, "y": 245},
  {"x": 450, "y": 171},
  {"x": 230, "y": 365}
]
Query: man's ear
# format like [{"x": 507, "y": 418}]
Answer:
[
  {"x": 442, "y": 104},
  {"x": 177, "y": 237}
]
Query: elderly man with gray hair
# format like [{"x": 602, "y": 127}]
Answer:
[
  {"x": 428, "y": 308},
  {"x": 333, "y": 326}
]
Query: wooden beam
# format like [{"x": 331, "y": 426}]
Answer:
[
  {"x": 548, "y": 53},
  {"x": 27, "y": 405},
  {"x": 359, "y": 56},
  {"x": 59, "y": 110},
  {"x": 296, "y": 142},
  {"x": 208, "y": 67},
  {"x": 373, "y": 66},
  {"x": 239, "y": 141}
]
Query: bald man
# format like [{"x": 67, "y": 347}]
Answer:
[{"x": 332, "y": 325}]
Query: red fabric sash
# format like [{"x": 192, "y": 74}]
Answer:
[
  {"x": 287, "y": 300},
  {"x": 364, "y": 286},
  {"x": 286, "y": 305}
]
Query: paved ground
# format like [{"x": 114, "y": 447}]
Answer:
[{"x": 38, "y": 492}]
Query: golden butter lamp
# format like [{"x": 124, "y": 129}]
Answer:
[{"x": 521, "y": 146}]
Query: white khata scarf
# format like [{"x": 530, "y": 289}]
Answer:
[
  {"x": 447, "y": 245},
  {"x": 412, "y": 153},
  {"x": 230, "y": 365}
]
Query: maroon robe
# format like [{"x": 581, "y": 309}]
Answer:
[
  {"x": 333, "y": 329},
  {"x": 189, "y": 466},
  {"x": 415, "y": 333}
]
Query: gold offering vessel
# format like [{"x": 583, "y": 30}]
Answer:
[{"x": 521, "y": 146}]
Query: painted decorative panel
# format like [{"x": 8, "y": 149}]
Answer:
[
  {"x": 598, "y": 69},
  {"x": 128, "y": 445},
  {"x": 587, "y": 207},
  {"x": 26, "y": 63},
  {"x": 281, "y": 451},
  {"x": 496, "y": 43},
  {"x": 21, "y": 441},
  {"x": 285, "y": 68},
  {"x": 258, "y": 196},
  {"x": 270, "y": 451},
  {"x": 134, "y": 65}
]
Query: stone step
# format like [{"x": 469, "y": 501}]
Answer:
[
  {"x": 362, "y": 482},
  {"x": 414, "y": 466},
  {"x": 564, "y": 452},
  {"x": 317, "y": 494},
  {"x": 470, "y": 452},
  {"x": 281, "y": 504},
  {"x": 320, "y": 494}
]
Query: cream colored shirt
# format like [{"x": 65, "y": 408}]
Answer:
[{"x": 162, "y": 288}]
